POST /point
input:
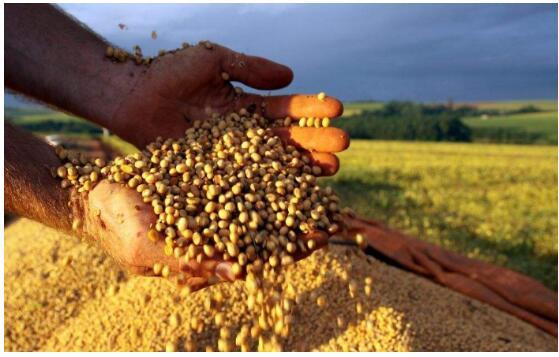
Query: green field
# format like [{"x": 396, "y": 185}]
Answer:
[
  {"x": 26, "y": 117},
  {"x": 544, "y": 123},
  {"x": 497, "y": 203},
  {"x": 544, "y": 105},
  {"x": 32, "y": 116},
  {"x": 354, "y": 108}
]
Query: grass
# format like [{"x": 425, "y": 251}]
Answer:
[
  {"x": 38, "y": 116},
  {"x": 544, "y": 105},
  {"x": 33, "y": 116},
  {"x": 543, "y": 123},
  {"x": 497, "y": 203},
  {"x": 354, "y": 108}
]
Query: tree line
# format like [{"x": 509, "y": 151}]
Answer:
[
  {"x": 422, "y": 122},
  {"x": 408, "y": 121}
]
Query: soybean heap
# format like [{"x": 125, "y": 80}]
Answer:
[
  {"x": 229, "y": 190},
  {"x": 86, "y": 302}
]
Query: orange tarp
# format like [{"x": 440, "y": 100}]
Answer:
[{"x": 502, "y": 288}]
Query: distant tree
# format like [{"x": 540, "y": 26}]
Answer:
[
  {"x": 412, "y": 121},
  {"x": 407, "y": 121},
  {"x": 455, "y": 130},
  {"x": 527, "y": 109}
]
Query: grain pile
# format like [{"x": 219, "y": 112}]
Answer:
[
  {"x": 85, "y": 303},
  {"x": 229, "y": 190}
]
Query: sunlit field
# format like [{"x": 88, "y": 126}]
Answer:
[
  {"x": 543, "y": 123},
  {"x": 497, "y": 203},
  {"x": 540, "y": 124}
]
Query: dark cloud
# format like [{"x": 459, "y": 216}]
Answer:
[{"x": 365, "y": 51}]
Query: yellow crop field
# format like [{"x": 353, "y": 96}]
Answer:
[{"x": 497, "y": 203}]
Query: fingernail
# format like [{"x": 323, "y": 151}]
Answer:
[
  {"x": 223, "y": 271},
  {"x": 214, "y": 280},
  {"x": 197, "y": 283}
]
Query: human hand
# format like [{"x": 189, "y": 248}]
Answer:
[
  {"x": 118, "y": 219},
  {"x": 188, "y": 84}
]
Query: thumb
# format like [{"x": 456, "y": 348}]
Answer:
[{"x": 255, "y": 72}]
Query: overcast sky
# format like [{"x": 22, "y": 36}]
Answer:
[{"x": 368, "y": 51}]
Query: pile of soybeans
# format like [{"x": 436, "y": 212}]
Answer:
[
  {"x": 64, "y": 295},
  {"x": 228, "y": 190}
]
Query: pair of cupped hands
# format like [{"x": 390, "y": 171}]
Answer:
[{"x": 170, "y": 93}]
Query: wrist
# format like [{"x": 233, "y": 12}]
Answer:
[{"x": 31, "y": 189}]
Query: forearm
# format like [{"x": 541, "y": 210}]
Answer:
[
  {"x": 52, "y": 58},
  {"x": 30, "y": 190}
]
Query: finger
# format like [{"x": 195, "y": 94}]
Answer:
[
  {"x": 196, "y": 283},
  {"x": 151, "y": 254},
  {"x": 224, "y": 271},
  {"x": 209, "y": 268},
  {"x": 141, "y": 270},
  {"x": 295, "y": 106},
  {"x": 205, "y": 269},
  {"x": 302, "y": 105},
  {"x": 319, "y": 237},
  {"x": 182, "y": 278},
  {"x": 256, "y": 72},
  {"x": 329, "y": 163},
  {"x": 314, "y": 139}
]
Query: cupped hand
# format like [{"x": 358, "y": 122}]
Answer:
[
  {"x": 192, "y": 83},
  {"x": 118, "y": 219}
]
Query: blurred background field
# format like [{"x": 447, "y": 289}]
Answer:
[
  {"x": 514, "y": 122},
  {"x": 480, "y": 196},
  {"x": 485, "y": 198},
  {"x": 497, "y": 203}
]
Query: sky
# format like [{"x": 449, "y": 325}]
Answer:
[{"x": 426, "y": 53}]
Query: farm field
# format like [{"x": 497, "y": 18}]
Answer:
[
  {"x": 497, "y": 203},
  {"x": 544, "y": 123},
  {"x": 544, "y": 105},
  {"x": 540, "y": 126},
  {"x": 351, "y": 108},
  {"x": 32, "y": 116},
  {"x": 354, "y": 108}
]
